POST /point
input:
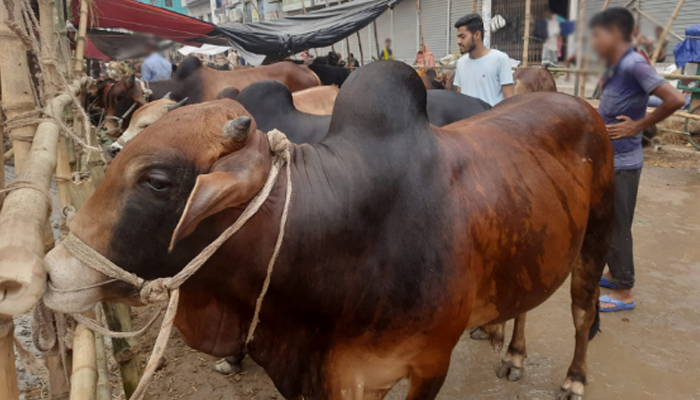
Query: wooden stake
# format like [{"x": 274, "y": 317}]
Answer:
[
  {"x": 526, "y": 39},
  {"x": 8, "y": 376},
  {"x": 84, "y": 378},
  {"x": 420, "y": 23},
  {"x": 359, "y": 43},
  {"x": 474, "y": 6},
  {"x": 376, "y": 40},
  {"x": 16, "y": 89},
  {"x": 80, "y": 39},
  {"x": 103, "y": 391},
  {"x": 119, "y": 319},
  {"x": 580, "y": 22},
  {"x": 49, "y": 53},
  {"x": 657, "y": 51}
]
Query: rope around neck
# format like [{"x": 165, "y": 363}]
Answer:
[{"x": 168, "y": 289}]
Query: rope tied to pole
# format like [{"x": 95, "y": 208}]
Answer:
[
  {"x": 161, "y": 290},
  {"x": 25, "y": 184}
]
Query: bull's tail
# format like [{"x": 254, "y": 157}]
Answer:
[{"x": 595, "y": 328}]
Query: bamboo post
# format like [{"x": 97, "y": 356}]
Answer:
[
  {"x": 657, "y": 51},
  {"x": 580, "y": 22},
  {"x": 526, "y": 39},
  {"x": 118, "y": 319},
  {"x": 3, "y": 157},
  {"x": 656, "y": 22},
  {"x": 8, "y": 376},
  {"x": 474, "y": 6},
  {"x": 359, "y": 43},
  {"x": 80, "y": 39},
  {"x": 83, "y": 380},
  {"x": 376, "y": 40},
  {"x": 17, "y": 91},
  {"x": 24, "y": 216},
  {"x": 48, "y": 47},
  {"x": 420, "y": 23},
  {"x": 103, "y": 391},
  {"x": 63, "y": 181}
]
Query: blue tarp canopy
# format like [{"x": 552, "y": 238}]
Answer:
[{"x": 689, "y": 49}]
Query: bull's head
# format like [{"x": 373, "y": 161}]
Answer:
[
  {"x": 119, "y": 99},
  {"x": 151, "y": 213},
  {"x": 142, "y": 119}
]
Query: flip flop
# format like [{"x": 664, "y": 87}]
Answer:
[
  {"x": 619, "y": 304},
  {"x": 605, "y": 282}
]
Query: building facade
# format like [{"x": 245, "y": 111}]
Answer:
[{"x": 172, "y": 5}]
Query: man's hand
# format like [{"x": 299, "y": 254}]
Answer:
[{"x": 624, "y": 129}]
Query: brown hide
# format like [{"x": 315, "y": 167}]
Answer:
[
  {"x": 317, "y": 100},
  {"x": 534, "y": 79}
]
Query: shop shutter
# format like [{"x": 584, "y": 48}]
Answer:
[
  {"x": 459, "y": 8},
  {"x": 405, "y": 31},
  {"x": 435, "y": 26}
]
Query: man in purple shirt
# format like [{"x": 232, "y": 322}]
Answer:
[{"x": 627, "y": 85}]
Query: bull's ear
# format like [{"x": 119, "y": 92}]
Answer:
[
  {"x": 131, "y": 81},
  {"x": 233, "y": 181}
]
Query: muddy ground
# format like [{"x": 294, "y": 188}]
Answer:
[{"x": 648, "y": 353}]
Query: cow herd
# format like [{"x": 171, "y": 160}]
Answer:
[{"x": 415, "y": 215}]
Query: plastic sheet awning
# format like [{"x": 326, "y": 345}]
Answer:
[
  {"x": 207, "y": 50},
  {"x": 283, "y": 37},
  {"x": 145, "y": 18},
  {"x": 689, "y": 49}
]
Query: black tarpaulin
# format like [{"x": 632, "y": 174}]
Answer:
[{"x": 283, "y": 37}]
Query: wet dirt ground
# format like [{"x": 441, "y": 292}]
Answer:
[{"x": 649, "y": 353}]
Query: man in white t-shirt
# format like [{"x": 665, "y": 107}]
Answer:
[
  {"x": 550, "y": 48},
  {"x": 483, "y": 73}
]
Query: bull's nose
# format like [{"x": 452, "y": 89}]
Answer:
[{"x": 69, "y": 278}]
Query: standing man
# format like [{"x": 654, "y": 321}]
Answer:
[
  {"x": 155, "y": 67},
  {"x": 482, "y": 73},
  {"x": 387, "y": 54},
  {"x": 550, "y": 48},
  {"x": 627, "y": 84}
]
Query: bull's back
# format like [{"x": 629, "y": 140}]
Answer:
[
  {"x": 294, "y": 76},
  {"x": 527, "y": 173}
]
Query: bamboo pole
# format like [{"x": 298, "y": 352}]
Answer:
[
  {"x": 526, "y": 39},
  {"x": 48, "y": 47},
  {"x": 474, "y": 6},
  {"x": 80, "y": 39},
  {"x": 63, "y": 181},
  {"x": 24, "y": 217},
  {"x": 8, "y": 155},
  {"x": 359, "y": 43},
  {"x": 656, "y": 22},
  {"x": 17, "y": 91},
  {"x": 83, "y": 381},
  {"x": 3, "y": 157},
  {"x": 8, "y": 376},
  {"x": 659, "y": 44},
  {"x": 118, "y": 319},
  {"x": 580, "y": 22},
  {"x": 420, "y": 23},
  {"x": 103, "y": 391},
  {"x": 376, "y": 40}
]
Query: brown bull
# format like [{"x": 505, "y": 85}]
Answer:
[
  {"x": 198, "y": 83},
  {"x": 530, "y": 80},
  {"x": 400, "y": 235}
]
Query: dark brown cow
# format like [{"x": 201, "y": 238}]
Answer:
[
  {"x": 530, "y": 80},
  {"x": 200, "y": 83},
  {"x": 400, "y": 235}
]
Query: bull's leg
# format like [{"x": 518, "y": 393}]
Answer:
[
  {"x": 425, "y": 381},
  {"x": 229, "y": 365},
  {"x": 514, "y": 361},
  {"x": 584, "y": 305}
]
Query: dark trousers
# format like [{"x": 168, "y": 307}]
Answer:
[{"x": 620, "y": 257}]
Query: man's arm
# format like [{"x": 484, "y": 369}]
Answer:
[
  {"x": 506, "y": 75},
  {"x": 672, "y": 101},
  {"x": 508, "y": 90}
]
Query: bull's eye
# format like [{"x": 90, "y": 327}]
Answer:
[{"x": 158, "y": 182}]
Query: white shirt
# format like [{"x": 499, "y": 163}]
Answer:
[
  {"x": 553, "y": 31},
  {"x": 484, "y": 77}
]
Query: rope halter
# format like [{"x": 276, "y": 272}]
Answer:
[{"x": 161, "y": 290}]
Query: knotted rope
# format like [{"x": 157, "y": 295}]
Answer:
[
  {"x": 161, "y": 290},
  {"x": 25, "y": 184}
]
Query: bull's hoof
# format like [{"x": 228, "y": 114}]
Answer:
[
  {"x": 479, "y": 334},
  {"x": 569, "y": 395},
  {"x": 225, "y": 368},
  {"x": 510, "y": 371}
]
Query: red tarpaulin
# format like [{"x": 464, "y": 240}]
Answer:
[
  {"x": 93, "y": 52},
  {"x": 145, "y": 18}
]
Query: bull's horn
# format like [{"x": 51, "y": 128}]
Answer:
[
  {"x": 167, "y": 95},
  {"x": 237, "y": 129},
  {"x": 178, "y": 104}
]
